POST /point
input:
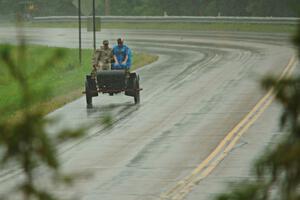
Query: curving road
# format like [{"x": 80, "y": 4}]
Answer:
[{"x": 203, "y": 84}]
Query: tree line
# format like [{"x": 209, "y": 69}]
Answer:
[{"x": 275, "y": 8}]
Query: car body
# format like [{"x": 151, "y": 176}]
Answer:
[{"x": 112, "y": 82}]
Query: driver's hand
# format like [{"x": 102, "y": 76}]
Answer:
[{"x": 123, "y": 63}]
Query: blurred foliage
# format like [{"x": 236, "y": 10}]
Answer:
[
  {"x": 156, "y": 7},
  {"x": 25, "y": 142},
  {"x": 277, "y": 174}
]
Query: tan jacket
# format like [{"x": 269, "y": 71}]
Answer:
[{"x": 102, "y": 55}]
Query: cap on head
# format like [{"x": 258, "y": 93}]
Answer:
[
  {"x": 105, "y": 42},
  {"x": 120, "y": 40}
]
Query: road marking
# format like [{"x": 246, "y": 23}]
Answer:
[{"x": 183, "y": 187}]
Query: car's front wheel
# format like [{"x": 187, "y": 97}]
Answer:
[{"x": 136, "y": 88}]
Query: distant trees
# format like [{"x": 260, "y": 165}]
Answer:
[
  {"x": 250, "y": 7},
  {"x": 273, "y": 7},
  {"x": 205, "y": 7},
  {"x": 42, "y": 7},
  {"x": 158, "y": 7}
]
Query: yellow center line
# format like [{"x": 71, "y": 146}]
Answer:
[{"x": 183, "y": 187}]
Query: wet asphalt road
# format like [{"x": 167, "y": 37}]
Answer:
[{"x": 201, "y": 86}]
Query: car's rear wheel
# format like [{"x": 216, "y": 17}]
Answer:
[{"x": 88, "y": 96}]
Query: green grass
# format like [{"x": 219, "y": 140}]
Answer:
[
  {"x": 64, "y": 79},
  {"x": 181, "y": 26}
]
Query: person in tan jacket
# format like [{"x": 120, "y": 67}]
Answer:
[{"x": 102, "y": 58}]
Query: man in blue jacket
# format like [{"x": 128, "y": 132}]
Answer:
[{"x": 121, "y": 55}]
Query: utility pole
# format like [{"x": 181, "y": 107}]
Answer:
[
  {"x": 94, "y": 24},
  {"x": 79, "y": 29},
  {"x": 107, "y": 7}
]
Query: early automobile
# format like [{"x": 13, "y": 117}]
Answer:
[{"x": 112, "y": 82}]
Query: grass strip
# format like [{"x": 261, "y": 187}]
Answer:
[
  {"x": 60, "y": 83},
  {"x": 280, "y": 28}
]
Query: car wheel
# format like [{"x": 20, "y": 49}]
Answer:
[
  {"x": 136, "y": 87},
  {"x": 88, "y": 96}
]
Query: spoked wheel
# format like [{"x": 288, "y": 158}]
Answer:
[
  {"x": 136, "y": 88},
  {"x": 88, "y": 96}
]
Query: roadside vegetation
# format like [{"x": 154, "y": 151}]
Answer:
[
  {"x": 57, "y": 82},
  {"x": 275, "y": 8},
  {"x": 280, "y": 28}
]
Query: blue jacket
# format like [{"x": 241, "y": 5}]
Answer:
[{"x": 121, "y": 52}]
